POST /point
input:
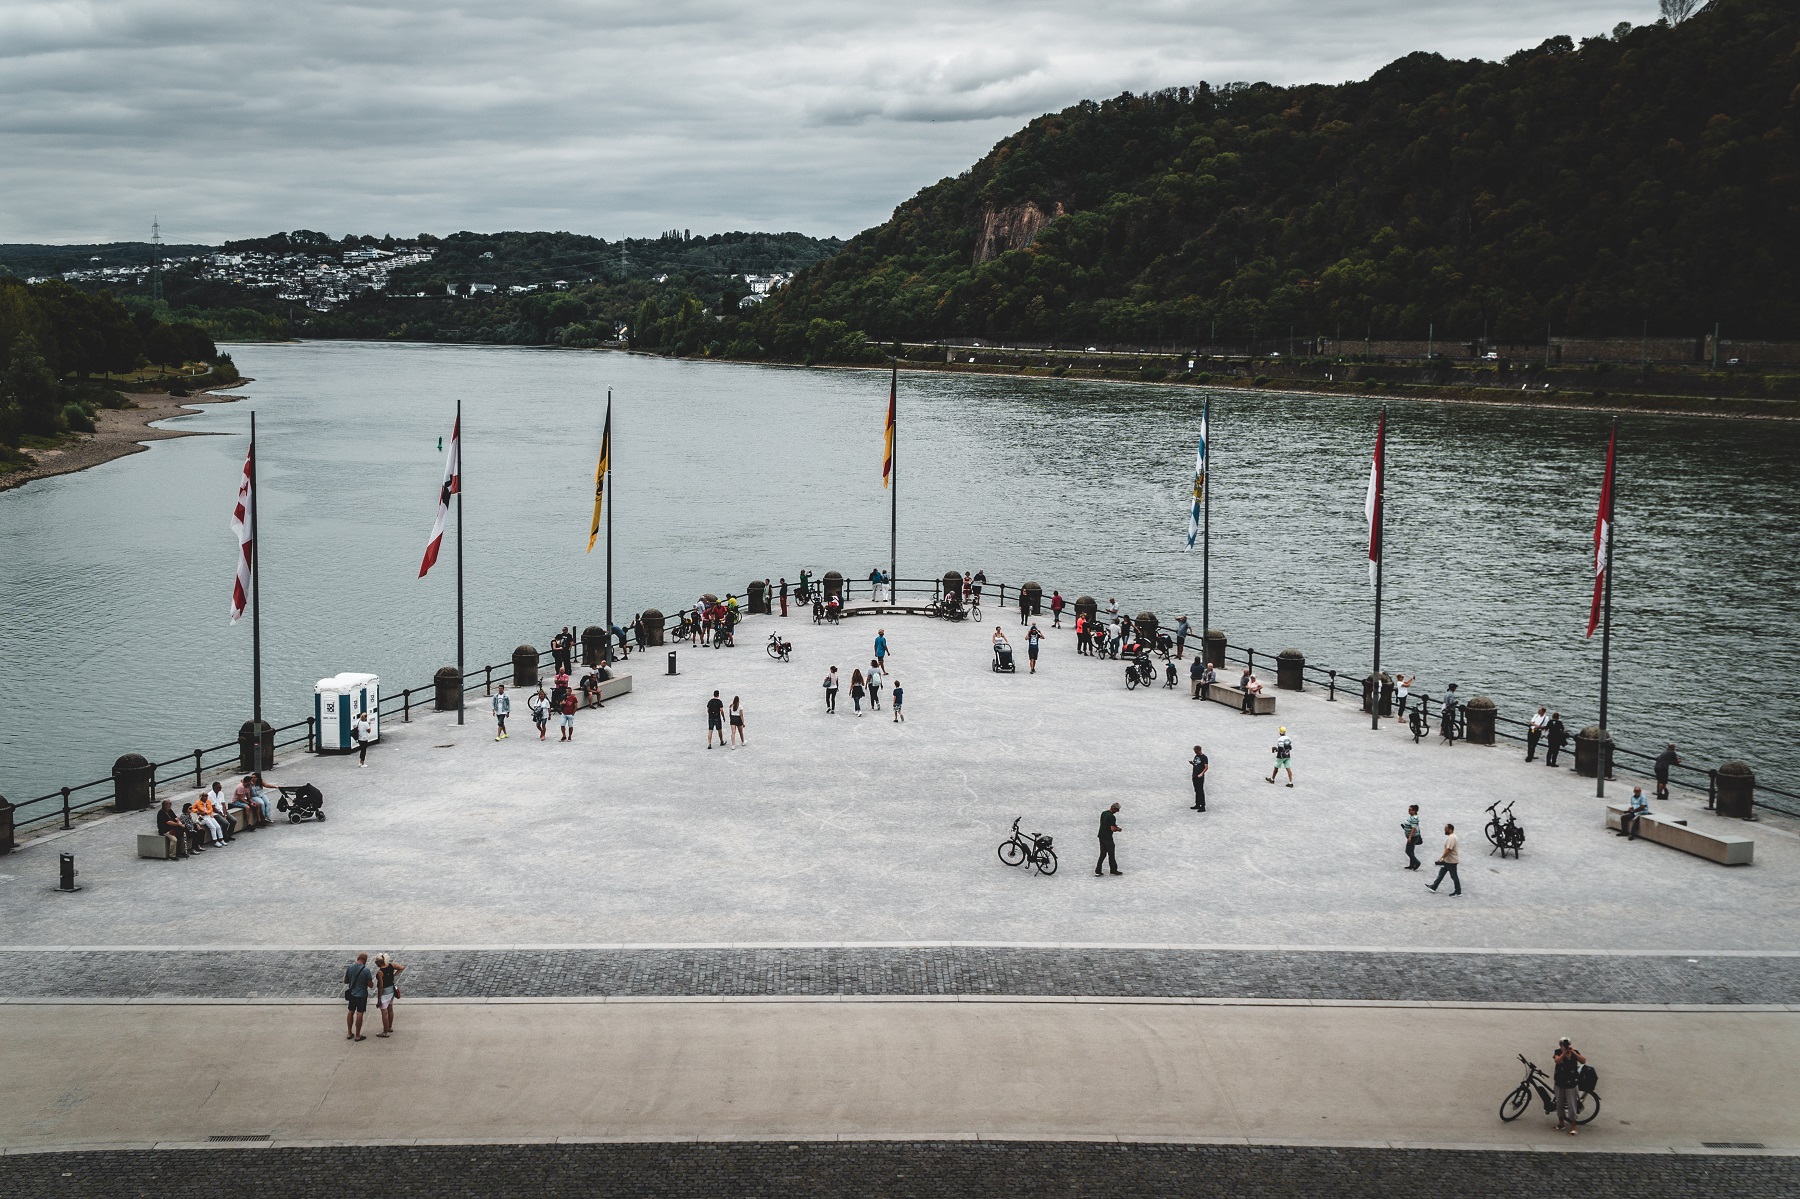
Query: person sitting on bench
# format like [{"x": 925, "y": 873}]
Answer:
[
  {"x": 1634, "y": 812},
  {"x": 249, "y": 796},
  {"x": 590, "y": 688}
]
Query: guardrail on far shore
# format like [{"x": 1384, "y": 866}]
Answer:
[{"x": 192, "y": 768}]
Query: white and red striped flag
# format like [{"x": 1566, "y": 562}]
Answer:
[
  {"x": 452, "y": 485},
  {"x": 241, "y": 521},
  {"x": 1603, "y": 533},
  {"x": 1372, "y": 504}
]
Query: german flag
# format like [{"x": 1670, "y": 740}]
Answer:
[
  {"x": 600, "y": 473},
  {"x": 887, "y": 458}
]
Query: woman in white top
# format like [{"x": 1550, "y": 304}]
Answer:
[
  {"x": 365, "y": 733},
  {"x": 873, "y": 678},
  {"x": 736, "y": 715},
  {"x": 1402, "y": 689}
]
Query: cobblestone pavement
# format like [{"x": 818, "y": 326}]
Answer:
[
  {"x": 472, "y": 974},
  {"x": 903, "y": 1168}
]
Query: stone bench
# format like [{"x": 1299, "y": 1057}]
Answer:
[
  {"x": 884, "y": 609},
  {"x": 1219, "y": 693},
  {"x": 612, "y": 688},
  {"x": 152, "y": 845},
  {"x": 1727, "y": 849}
]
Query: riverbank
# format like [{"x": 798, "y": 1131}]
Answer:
[{"x": 118, "y": 432}]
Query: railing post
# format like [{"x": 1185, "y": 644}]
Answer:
[
  {"x": 196, "y": 768},
  {"x": 312, "y": 736},
  {"x": 1250, "y": 660},
  {"x": 406, "y": 717},
  {"x": 65, "y": 795},
  {"x": 1333, "y": 696},
  {"x": 488, "y": 686}
]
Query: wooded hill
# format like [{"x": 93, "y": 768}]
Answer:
[{"x": 1650, "y": 175}]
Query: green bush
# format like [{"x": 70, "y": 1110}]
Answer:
[
  {"x": 1261, "y": 379},
  {"x": 1152, "y": 374},
  {"x": 78, "y": 418}
]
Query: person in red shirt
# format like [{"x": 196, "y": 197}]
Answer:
[{"x": 569, "y": 705}]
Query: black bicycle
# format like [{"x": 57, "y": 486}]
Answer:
[
  {"x": 1019, "y": 849},
  {"x": 1140, "y": 673},
  {"x": 1504, "y": 835},
  {"x": 779, "y": 649},
  {"x": 1417, "y": 723},
  {"x": 1587, "y": 1104},
  {"x": 804, "y": 592}
]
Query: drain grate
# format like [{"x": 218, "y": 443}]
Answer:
[
  {"x": 260, "y": 1136},
  {"x": 1732, "y": 1145}
]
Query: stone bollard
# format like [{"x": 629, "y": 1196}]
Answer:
[
  {"x": 593, "y": 645},
  {"x": 449, "y": 689},
  {"x": 1737, "y": 790},
  {"x": 1085, "y": 606},
  {"x": 1588, "y": 752},
  {"x": 131, "y": 783},
  {"x": 6, "y": 825},
  {"x": 952, "y": 583},
  {"x": 1146, "y": 625},
  {"x": 1290, "y": 670},
  {"x": 1213, "y": 643},
  {"x": 834, "y": 585},
  {"x": 1031, "y": 600},
  {"x": 756, "y": 599},
  {"x": 1478, "y": 720},
  {"x": 247, "y": 746},
  {"x": 653, "y": 626},
  {"x": 525, "y": 666}
]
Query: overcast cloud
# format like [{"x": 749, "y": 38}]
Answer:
[{"x": 231, "y": 119}]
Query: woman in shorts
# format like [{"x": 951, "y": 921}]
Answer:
[
  {"x": 387, "y": 989},
  {"x": 737, "y": 721}
]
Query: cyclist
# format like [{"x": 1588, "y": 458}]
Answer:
[{"x": 1568, "y": 1085}]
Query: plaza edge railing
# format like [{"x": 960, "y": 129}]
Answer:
[{"x": 61, "y": 804}]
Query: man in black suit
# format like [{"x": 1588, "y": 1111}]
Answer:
[{"x": 1108, "y": 826}]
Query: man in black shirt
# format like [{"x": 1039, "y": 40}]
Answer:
[
  {"x": 715, "y": 719},
  {"x": 1108, "y": 826},
  {"x": 173, "y": 834},
  {"x": 1664, "y": 760},
  {"x": 1555, "y": 736},
  {"x": 1200, "y": 765},
  {"x": 1568, "y": 1085}
]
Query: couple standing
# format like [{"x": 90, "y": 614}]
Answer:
[{"x": 359, "y": 980}]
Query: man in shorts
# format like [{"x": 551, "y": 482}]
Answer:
[
  {"x": 1284, "y": 757},
  {"x": 1031, "y": 645},
  {"x": 358, "y": 978},
  {"x": 715, "y": 719},
  {"x": 569, "y": 704}
]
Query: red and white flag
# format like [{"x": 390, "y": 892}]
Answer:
[
  {"x": 1603, "y": 533},
  {"x": 452, "y": 485},
  {"x": 241, "y": 521},
  {"x": 1372, "y": 504}
]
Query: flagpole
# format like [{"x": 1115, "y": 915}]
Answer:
[
  {"x": 459, "y": 566},
  {"x": 1380, "y": 559},
  {"x": 894, "y": 490},
  {"x": 1612, "y": 531},
  {"x": 255, "y": 610},
  {"x": 607, "y": 483},
  {"x": 1206, "y": 528}
]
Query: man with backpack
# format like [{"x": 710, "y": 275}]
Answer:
[
  {"x": 1283, "y": 749},
  {"x": 1569, "y": 1069}
]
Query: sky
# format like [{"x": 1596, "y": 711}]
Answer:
[{"x": 223, "y": 118}]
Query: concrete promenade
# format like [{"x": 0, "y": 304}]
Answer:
[{"x": 830, "y": 829}]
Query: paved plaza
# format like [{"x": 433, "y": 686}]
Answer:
[{"x": 840, "y": 829}]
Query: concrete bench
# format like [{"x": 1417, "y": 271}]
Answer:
[
  {"x": 884, "y": 609},
  {"x": 1726, "y": 849},
  {"x": 152, "y": 845},
  {"x": 1219, "y": 693},
  {"x": 611, "y": 688}
]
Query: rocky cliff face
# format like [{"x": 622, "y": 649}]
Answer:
[{"x": 1011, "y": 228}]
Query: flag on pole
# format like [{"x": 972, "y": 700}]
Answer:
[
  {"x": 1602, "y": 534},
  {"x": 451, "y": 486},
  {"x": 240, "y": 525},
  {"x": 1199, "y": 480},
  {"x": 887, "y": 457},
  {"x": 600, "y": 472},
  {"x": 1372, "y": 503}
]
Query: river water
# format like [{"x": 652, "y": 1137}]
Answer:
[{"x": 116, "y": 580}]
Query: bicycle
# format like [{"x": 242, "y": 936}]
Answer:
[
  {"x": 1504, "y": 836},
  {"x": 1417, "y": 723},
  {"x": 1018, "y": 850},
  {"x": 1514, "y": 1105},
  {"x": 779, "y": 649},
  {"x": 1139, "y": 672}
]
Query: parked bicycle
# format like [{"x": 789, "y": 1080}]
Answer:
[
  {"x": 1140, "y": 672},
  {"x": 779, "y": 649},
  {"x": 1506, "y": 835},
  {"x": 1416, "y": 722},
  {"x": 1587, "y": 1104},
  {"x": 1035, "y": 849}
]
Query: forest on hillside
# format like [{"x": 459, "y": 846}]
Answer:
[{"x": 1645, "y": 179}]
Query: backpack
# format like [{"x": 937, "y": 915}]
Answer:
[{"x": 1589, "y": 1079}]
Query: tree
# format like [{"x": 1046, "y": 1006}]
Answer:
[
  {"x": 1677, "y": 11},
  {"x": 31, "y": 388}
]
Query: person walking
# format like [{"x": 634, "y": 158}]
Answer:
[
  {"x": 1056, "y": 609},
  {"x": 737, "y": 721},
  {"x": 1664, "y": 761},
  {"x": 899, "y": 698},
  {"x": 1409, "y": 828},
  {"x": 363, "y": 729},
  {"x": 1567, "y": 1076},
  {"x": 1283, "y": 749},
  {"x": 1534, "y": 733},
  {"x": 881, "y": 649},
  {"x": 358, "y": 978},
  {"x": 1108, "y": 826},
  {"x": 873, "y": 678},
  {"x": 715, "y": 719},
  {"x": 1402, "y": 689},
  {"x": 1181, "y": 635},
  {"x": 1555, "y": 737},
  {"x": 831, "y": 690},
  {"x": 387, "y": 989},
  {"x": 856, "y": 692},
  {"x": 1447, "y": 861},
  {"x": 569, "y": 704},
  {"x": 502, "y": 705},
  {"x": 784, "y": 595},
  {"x": 1032, "y": 641},
  {"x": 540, "y": 711},
  {"x": 1200, "y": 764}
]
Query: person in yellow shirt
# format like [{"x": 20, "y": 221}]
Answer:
[{"x": 210, "y": 818}]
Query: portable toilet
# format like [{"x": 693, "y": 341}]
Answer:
[{"x": 339, "y": 700}]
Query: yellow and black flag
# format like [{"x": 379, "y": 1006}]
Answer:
[{"x": 600, "y": 472}]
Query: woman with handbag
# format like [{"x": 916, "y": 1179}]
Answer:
[{"x": 387, "y": 989}]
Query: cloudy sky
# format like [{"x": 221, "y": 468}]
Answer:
[{"x": 228, "y": 118}]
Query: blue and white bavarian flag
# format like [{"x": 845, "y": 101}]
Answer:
[{"x": 1199, "y": 480}]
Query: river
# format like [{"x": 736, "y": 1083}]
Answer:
[{"x": 117, "y": 579}]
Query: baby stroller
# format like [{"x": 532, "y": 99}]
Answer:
[
  {"x": 301, "y": 803},
  {"x": 1003, "y": 658}
]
